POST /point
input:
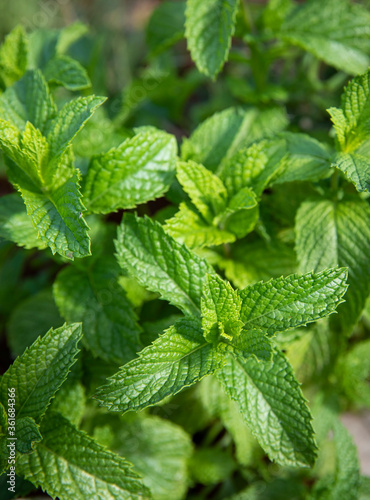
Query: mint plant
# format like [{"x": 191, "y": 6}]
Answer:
[{"x": 185, "y": 274}]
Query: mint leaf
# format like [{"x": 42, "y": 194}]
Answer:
[
  {"x": 69, "y": 464},
  {"x": 209, "y": 27},
  {"x": 140, "y": 169},
  {"x": 28, "y": 100},
  {"x": 352, "y": 119},
  {"x": 160, "y": 264},
  {"x": 220, "y": 308},
  {"x": 272, "y": 404},
  {"x": 92, "y": 295},
  {"x": 292, "y": 301},
  {"x": 241, "y": 213},
  {"x": 166, "y": 26},
  {"x": 69, "y": 121},
  {"x": 15, "y": 225},
  {"x": 345, "y": 41},
  {"x": 159, "y": 450},
  {"x": 40, "y": 371},
  {"x": 356, "y": 168},
  {"x": 333, "y": 233},
  {"x": 223, "y": 134},
  {"x": 28, "y": 434},
  {"x": 205, "y": 189},
  {"x": 67, "y": 72},
  {"x": 58, "y": 218},
  {"x": 187, "y": 226},
  {"x": 13, "y": 56},
  {"x": 177, "y": 359}
]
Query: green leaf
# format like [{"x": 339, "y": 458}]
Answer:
[
  {"x": 205, "y": 189},
  {"x": 31, "y": 318},
  {"x": 140, "y": 169},
  {"x": 188, "y": 227},
  {"x": 254, "y": 166},
  {"x": 345, "y": 40},
  {"x": 58, "y": 218},
  {"x": 15, "y": 225},
  {"x": 28, "y": 434},
  {"x": 333, "y": 233},
  {"x": 273, "y": 406},
  {"x": 241, "y": 214},
  {"x": 292, "y": 301},
  {"x": 220, "y": 307},
  {"x": 41, "y": 370},
  {"x": 160, "y": 264},
  {"x": 166, "y": 26},
  {"x": 211, "y": 465},
  {"x": 28, "y": 100},
  {"x": 159, "y": 451},
  {"x": 223, "y": 134},
  {"x": 67, "y": 72},
  {"x": 210, "y": 24},
  {"x": 69, "y": 121},
  {"x": 356, "y": 168},
  {"x": 305, "y": 159},
  {"x": 13, "y": 56},
  {"x": 352, "y": 119},
  {"x": 92, "y": 295},
  {"x": 177, "y": 359},
  {"x": 69, "y": 464}
]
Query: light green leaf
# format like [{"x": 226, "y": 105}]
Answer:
[
  {"x": 159, "y": 450},
  {"x": 160, "y": 264},
  {"x": 292, "y": 301},
  {"x": 15, "y": 225},
  {"x": 345, "y": 40},
  {"x": 140, "y": 169},
  {"x": 28, "y": 434},
  {"x": 209, "y": 27},
  {"x": 254, "y": 166},
  {"x": 28, "y": 100},
  {"x": 41, "y": 370},
  {"x": 166, "y": 26},
  {"x": 31, "y": 318},
  {"x": 205, "y": 189},
  {"x": 188, "y": 227},
  {"x": 272, "y": 404},
  {"x": 177, "y": 359},
  {"x": 58, "y": 218},
  {"x": 92, "y": 295},
  {"x": 356, "y": 168},
  {"x": 352, "y": 119},
  {"x": 65, "y": 71},
  {"x": 241, "y": 214},
  {"x": 305, "y": 159},
  {"x": 13, "y": 56},
  {"x": 333, "y": 233},
  {"x": 69, "y": 121},
  {"x": 220, "y": 308},
  {"x": 69, "y": 464},
  {"x": 223, "y": 134},
  {"x": 69, "y": 35}
]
